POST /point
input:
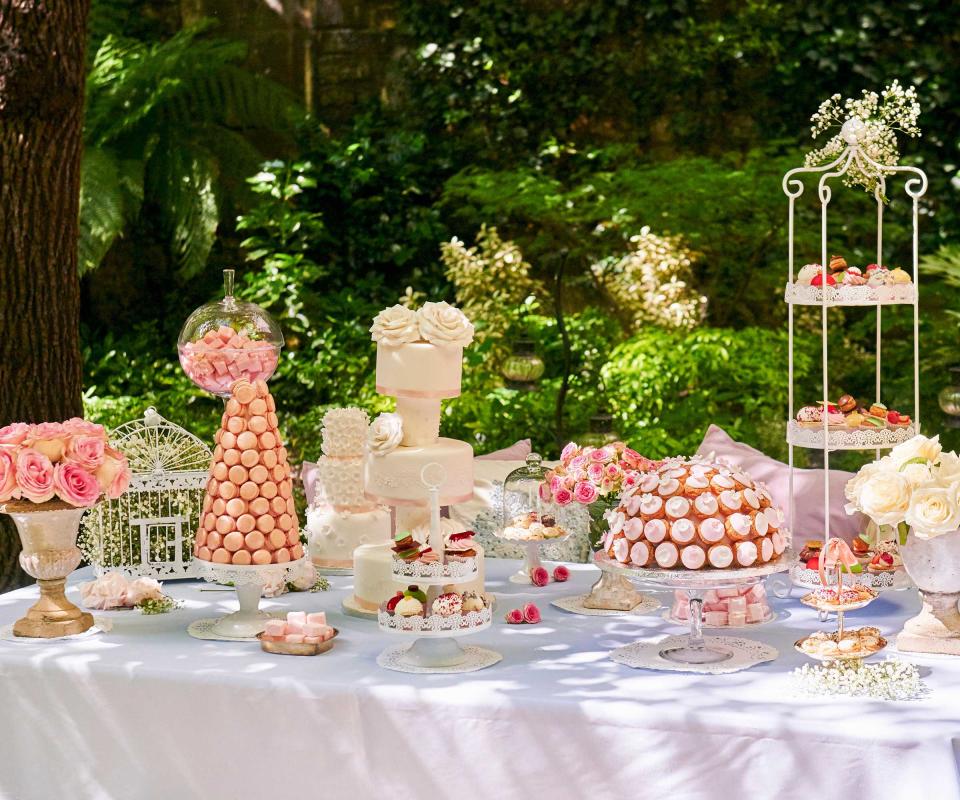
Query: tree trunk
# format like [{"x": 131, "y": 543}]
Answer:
[{"x": 42, "y": 66}]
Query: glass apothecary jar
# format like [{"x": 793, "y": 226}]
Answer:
[{"x": 224, "y": 341}]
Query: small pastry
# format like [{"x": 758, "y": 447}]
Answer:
[
  {"x": 693, "y": 556},
  {"x": 746, "y": 553},
  {"x": 859, "y": 546},
  {"x": 447, "y": 605},
  {"x": 779, "y": 542},
  {"x": 392, "y": 602},
  {"x": 810, "y": 417},
  {"x": 677, "y": 507},
  {"x": 811, "y": 549},
  {"x": 711, "y": 530},
  {"x": 416, "y": 592},
  {"x": 807, "y": 273},
  {"x": 897, "y": 420},
  {"x": 651, "y": 507},
  {"x": 641, "y": 554},
  {"x": 739, "y": 527},
  {"x": 872, "y": 268},
  {"x": 730, "y": 500},
  {"x": 751, "y": 498},
  {"x": 667, "y": 555},
  {"x": 854, "y": 420},
  {"x": 633, "y": 528},
  {"x": 881, "y": 562},
  {"x": 678, "y": 473},
  {"x": 837, "y": 264},
  {"x": 846, "y": 404},
  {"x": 722, "y": 482},
  {"x": 766, "y": 549},
  {"x": 655, "y": 531},
  {"x": 682, "y": 531},
  {"x": 706, "y": 505},
  {"x": 668, "y": 487},
  {"x": 774, "y": 517},
  {"x": 818, "y": 280},
  {"x": 649, "y": 483},
  {"x": 695, "y": 485},
  {"x": 760, "y": 525},
  {"x": 899, "y": 275},
  {"x": 472, "y": 601},
  {"x": 720, "y": 556},
  {"x": 621, "y": 551},
  {"x": 878, "y": 410},
  {"x": 876, "y": 277},
  {"x": 409, "y": 607},
  {"x": 429, "y": 556},
  {"x": 406, "y": 547},
  {"x": 853, "y": 277}
]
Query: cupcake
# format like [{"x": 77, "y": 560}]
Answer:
[
  {"x": 472, "y": 601},
  {"x": 853, "y": 277},
  {"x": 447, "y": 605},
  {"x": 899, "y": 276},
  {"x": 408, "y": 607},
  {"x": 807, "y": 273}
]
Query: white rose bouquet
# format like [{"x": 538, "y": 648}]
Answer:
[{"x": 917, "y": 484}]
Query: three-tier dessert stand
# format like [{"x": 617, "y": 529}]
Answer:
[
  {"x": 826, "y": 297},
  {"x": 435, "y": 646}
]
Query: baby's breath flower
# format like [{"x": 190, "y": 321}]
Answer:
[{"x": 887, "y": 680}]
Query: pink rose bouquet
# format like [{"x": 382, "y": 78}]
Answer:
[{"x": 70, "y": 461}]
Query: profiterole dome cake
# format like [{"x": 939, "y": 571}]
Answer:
[{"x": 694, "y": 514}]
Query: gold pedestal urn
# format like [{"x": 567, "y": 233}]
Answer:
[{"x": 48, "y": 532}]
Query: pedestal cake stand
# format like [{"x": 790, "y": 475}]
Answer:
[
  {"x": 249, "y": 620},
  {"x": 693, "y": 649},
  {"x": 435, "y": 646}
]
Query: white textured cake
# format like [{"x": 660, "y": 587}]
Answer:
[
  {"x": 373, "y": 581},
  {"x": 342, "y": 517},
  {"x": 419, "y": 361}
]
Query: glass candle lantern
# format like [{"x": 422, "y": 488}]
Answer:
[
  {"x": 227, "y": 340},
  {"x": 523, "y": 367}
]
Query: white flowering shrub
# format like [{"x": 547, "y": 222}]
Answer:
[
  {"x": 875, "y": 119},
  {"x": 653, "y": 283}
]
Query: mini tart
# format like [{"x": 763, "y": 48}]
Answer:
[
  {"x": 650, "y": 507},
  {"x": 695, "y": 485},
  {"x": 667, "y": 555},
  {"x": 720, "y": 556},
  {"x": 682, "y": 531},
  {"x": 641, "y": 554},
  {"x": 745, "y": 553},
  {"x": 676, "y": 507},
  {"x": 706, "y": 505},
  {"x": 739, "y": 527},
  {"x": 693, "y": 556},
  {"x": 668, "y": 488}
]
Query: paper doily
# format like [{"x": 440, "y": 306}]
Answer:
[
  {"x": 477, "y": 658},
  {"x": 203, "y": 629},
  {"x": 100, "y": 625},
  {"x": 575, "y": 605},
  {"x": 646, "y": 655}
]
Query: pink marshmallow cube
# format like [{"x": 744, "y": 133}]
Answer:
[
  {"x": 681, "y": 611},
  {"x": 707, "y": 607},
  {"x": 275, "y": 627},
  {"x": 296, "y": 627},
  {"x": 715, "y": 619},
  {"x": 710, "y": 596},
  {"x": 293, "y": 638},
  {"x": 736, "y": 619},
  {"x": 312, "y": 639},
  {"x": 219, "y": 367},
  {"x": 756, "y": 612},
  {"x": 757, "y": 594},
  {"x": 313, "y": 629},
  {"x": 328, "y": 634},
  {"x": 298, "y": 617},
  {"x": 226, "y": 332},
  {"x": 317, "y": 617},
  {"x": 737, "y": 605},
  {"x": 727, "y": 592}
]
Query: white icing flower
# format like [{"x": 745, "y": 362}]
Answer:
[
  {"x": 385, "y": 434},
  {"x": 395, "y": 326},
  {"x": 933, "y": 512},
  {"x": 442, "y": 324}
]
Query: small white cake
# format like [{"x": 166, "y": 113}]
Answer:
[{"x": 373, "y": 581}]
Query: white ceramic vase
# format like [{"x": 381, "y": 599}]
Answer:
[{"x": 934, "y": 566}]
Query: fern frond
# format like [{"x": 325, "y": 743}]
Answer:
[
  {"x": 109, "y": 198},
  {"x": 182, "y": 179}
]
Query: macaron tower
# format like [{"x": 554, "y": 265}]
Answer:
[{"x": 248, "y": 514}]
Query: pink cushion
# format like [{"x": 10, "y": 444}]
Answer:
[
  {"x": 309, "y": 474},
  {"x": 515, "y": 452},
  {"x": 807, "y": 487}
]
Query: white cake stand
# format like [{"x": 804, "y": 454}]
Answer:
[
  {"x": 694, "y": 649},
  {"x": 248, "y": 581}
]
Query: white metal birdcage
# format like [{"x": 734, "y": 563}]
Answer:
[{"x": 150, "y": 529}]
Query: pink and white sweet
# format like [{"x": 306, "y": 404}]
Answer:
[
  {"x": 732, "y": 607},
  {"x": 299, "y": 628},
  {"x": 248, "y": 513},
  {"x": 695, "y": 514},
  {"x": 67, "y": 461},
  {"x": 221, "y": 357}
]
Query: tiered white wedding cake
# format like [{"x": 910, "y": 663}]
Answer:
[
  {"x": 419, "y": 361},
  {"x": 342, "y": 518}
]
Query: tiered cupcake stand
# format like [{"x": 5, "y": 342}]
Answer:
[
  {"x": 694, "y": 650},
  {"x": 435, "y": 646},
  {"x": 245, "y": 623},
  {"x": 826, "y": 297}
]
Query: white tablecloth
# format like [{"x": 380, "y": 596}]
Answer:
[{"x": 146, "y": 711}]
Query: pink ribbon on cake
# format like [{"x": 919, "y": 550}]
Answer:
[
  {"x": 439, "y": 394},
  {"x": 391, "y": 501},
  {"x": 834, "y": 553}
]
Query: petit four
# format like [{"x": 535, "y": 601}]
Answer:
[
  {"x": 858, "y": 643},
  {"x": 532, "y": 527}
]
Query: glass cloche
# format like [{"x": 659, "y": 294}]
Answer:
[
  {"x": 526, "y": 515},
  {"x": 222, "y": 342}
]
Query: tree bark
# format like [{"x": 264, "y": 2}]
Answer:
[{"x": 42, "y": 68}]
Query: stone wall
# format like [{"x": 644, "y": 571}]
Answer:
[{"x": 334, "y": 53}]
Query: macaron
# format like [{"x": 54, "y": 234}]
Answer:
[
  {"x": 248, "y": 490},
  {"x": 249, "y": 458},
  {"x": 254, "y": 540},
  {"x": 236, "y": 507},
  {"x": 244, "y": 392},
  {"x": 231, "y": 457},
  {"x": 259, "y": 473},
  {"x": 241, "y": 558},
  {"x": 237, "y": 474},
  {"x": 257, "y": 425},
  {"x": 266, "y": 524},
  {"x": 267, "y": 440},
  {"x": 259, "y": 506},
  {"x": 228, "y": 490},
  {"x": 225, "y": 524},
  {"x": 220, "y": 556},
  {"x": 247, "y": 440},
  {"x": 246, "y": 523},
  {"x": 262, "y": 557},
  {"x": 236, "y": 425}
]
